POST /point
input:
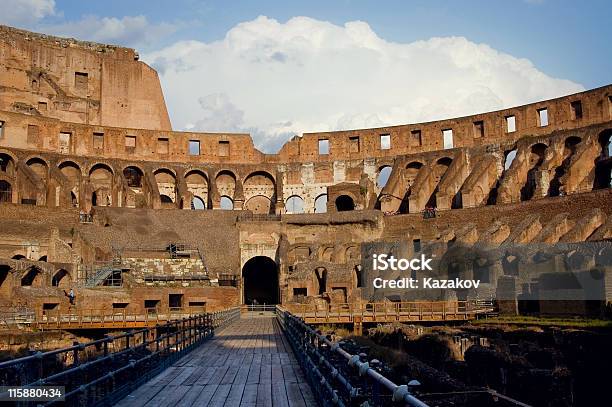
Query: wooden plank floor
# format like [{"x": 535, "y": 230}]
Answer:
[{"x": 249, "y": 363}]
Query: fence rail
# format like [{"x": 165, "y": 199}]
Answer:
[
  {"x": 338, "y": 377},
  {"x": 103, "y": 371}
]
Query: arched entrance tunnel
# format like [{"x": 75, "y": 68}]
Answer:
[{"x": 260, "y": 281}]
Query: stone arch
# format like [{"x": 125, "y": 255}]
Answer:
[
  {"x": 7, "y": 163},
  {"x": 101, "y": 179},
  {"x": 411, "y": 172},
  {"x": 71, "y": 170},
  {"x": 569, "y": 149},
  {"x": 260, "y": 183},
  {"x": 225, "y": 181},
  {"x": 226, "y": 203},
  {"x": 603, "y": 164},
  {"x": 344, "y": 203},
  {"x": 133, "y": 176},
  {"x": 438, "y": 171},
  {"x": 294, "y": 204},
  {"x": 197, "y": 184},
  {"x": 39, "y": 166},
  {"x": 537, "y": 154},
  {"x": 166, "y": 184},
  {"x": 61, "y": 279},
  {"x": 383, "y": 175},
  {"x": 259, "y": 204},
  {"x": 18, "y": 256},
  {"x": 260, "y": 281},
  {"x": 197, "y": 203},
  {"x": 33, "y": 277},
  {"x": 320, "y": 205}
]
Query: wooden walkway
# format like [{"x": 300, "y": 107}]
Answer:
[{"x": 249, "y": 363}]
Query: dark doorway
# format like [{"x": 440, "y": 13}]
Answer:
[
  {"x": 260, "y": 281},
  {"x": 344, "y": 203}
]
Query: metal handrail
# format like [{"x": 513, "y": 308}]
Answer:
[
  {"x": 105, "y": 370},
  {"x": 327, "y": 364}
]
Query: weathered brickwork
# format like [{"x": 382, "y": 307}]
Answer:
[{"x": 98, "y": 194}]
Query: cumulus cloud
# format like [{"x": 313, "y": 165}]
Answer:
[
  {"x": 132, "y": 31},
  {"x": 277, "y": 79},
  {"x": 25, "y": 12}
]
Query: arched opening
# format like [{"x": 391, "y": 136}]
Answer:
[
  {"x": 43, "y": 258},
  {"x": 4, "y": 272},
  {"x": 101, "y": 177},
  {"x": 410, "y": 174},
  {"x": 345, "y": 203},
  {"x": 227, "y": 203},
  {"x": 7, "y": 164},
  {"x": 603, "y": 164},
  {"x": 226, "y": 184},
  {"x": 294, "y": 204},
  {"x": 536, "y": 158},
  {"x": 259, "y": 192},
  {"x": 383, "y": 176},
  {"x": 38, "y": 167},
  {"x": 197, "y": 184},
  {"x": 260, "y": 281},
  {"x": 133, "y": 176},
  {"x": 166, "y": 184},
  {"x": 32, "y": 277},
  {"x": 321, "y": 204},
  {"x": 61, "y": 279},
  {"x": 569, "y": 149},
  {"x": 6, "y": 192},
  {"x": 197, "y": 204},
  {"x": 259, "y": 204},
  {"x": 18, "y": 257},
  {"x": 438, "y": 172}
]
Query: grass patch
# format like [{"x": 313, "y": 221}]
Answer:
[{"x": 544, "y": 321}]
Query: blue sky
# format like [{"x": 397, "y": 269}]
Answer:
[
  {"x": 551, "y": 47},
  {"x": 568, "y": 39}
]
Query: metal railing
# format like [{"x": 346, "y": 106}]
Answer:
[
  {"x": 405, "y": 310},
  {"x": 102, "y": 372},
  {"x": 337, "y": 377}
]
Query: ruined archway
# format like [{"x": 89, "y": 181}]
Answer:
[
  {"x": 61, "y": 279},
  {"x": 345, "y": 203},
  {"x": 133, "y": 176},
  {"x": 260, "y": 281},
  {"x": 32, "y": 277},
  {"x": 603, "y": 163}
]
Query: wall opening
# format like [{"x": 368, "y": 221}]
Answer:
[
  {"x": 61, "y": 279},
  {"x": 260, "y": 281},
  {"x": 536, "y": 158},
  {"x": 543, "y": 117},
  {"x": 163, "y": 145},
  {"x": 321, "y": 203},
  {"x": 299, "y": 294},
  {"x": 175, "y": 300},
  {"x": 478, "y": 129},
  {"x": 130, "y": 144},
  {"x": 65, "y": 142},
  {"x": 603, "y": 164},
  {"x": 98, "y": 141},
  {"x": 227, "y": 203},
  {"x": 4, "y": 272},
  {"x": 415, "y": 138},
  {"x": 385, "y": 141},
  {"x": 510, "y": 124},
  {"x": 576, "y": 108},
  {"x": 197, "y": 203},
  {"x": 447, "y": 136},
  {"x": 354, "y": 144},
  {"x": 31, "y": 278},
  {"x": 6, "y": 192},
  {"x": 569, "y": 149},
  {"x": 294, "y": 204},
  {"x": 323, "y": 146},
  {"x": 383, "y": 176},
  {"x": 194, "y": 147},
  {"x": 224, "y": 148},
  {"x": 133, "y": 176},
  {"x": 344, "y": 203}
]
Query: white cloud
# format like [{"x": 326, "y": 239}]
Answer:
[
  {"x": 25, "y": 12},
  {"x": 131, "y": 31},
  {"x": 275, "y": 80}
]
